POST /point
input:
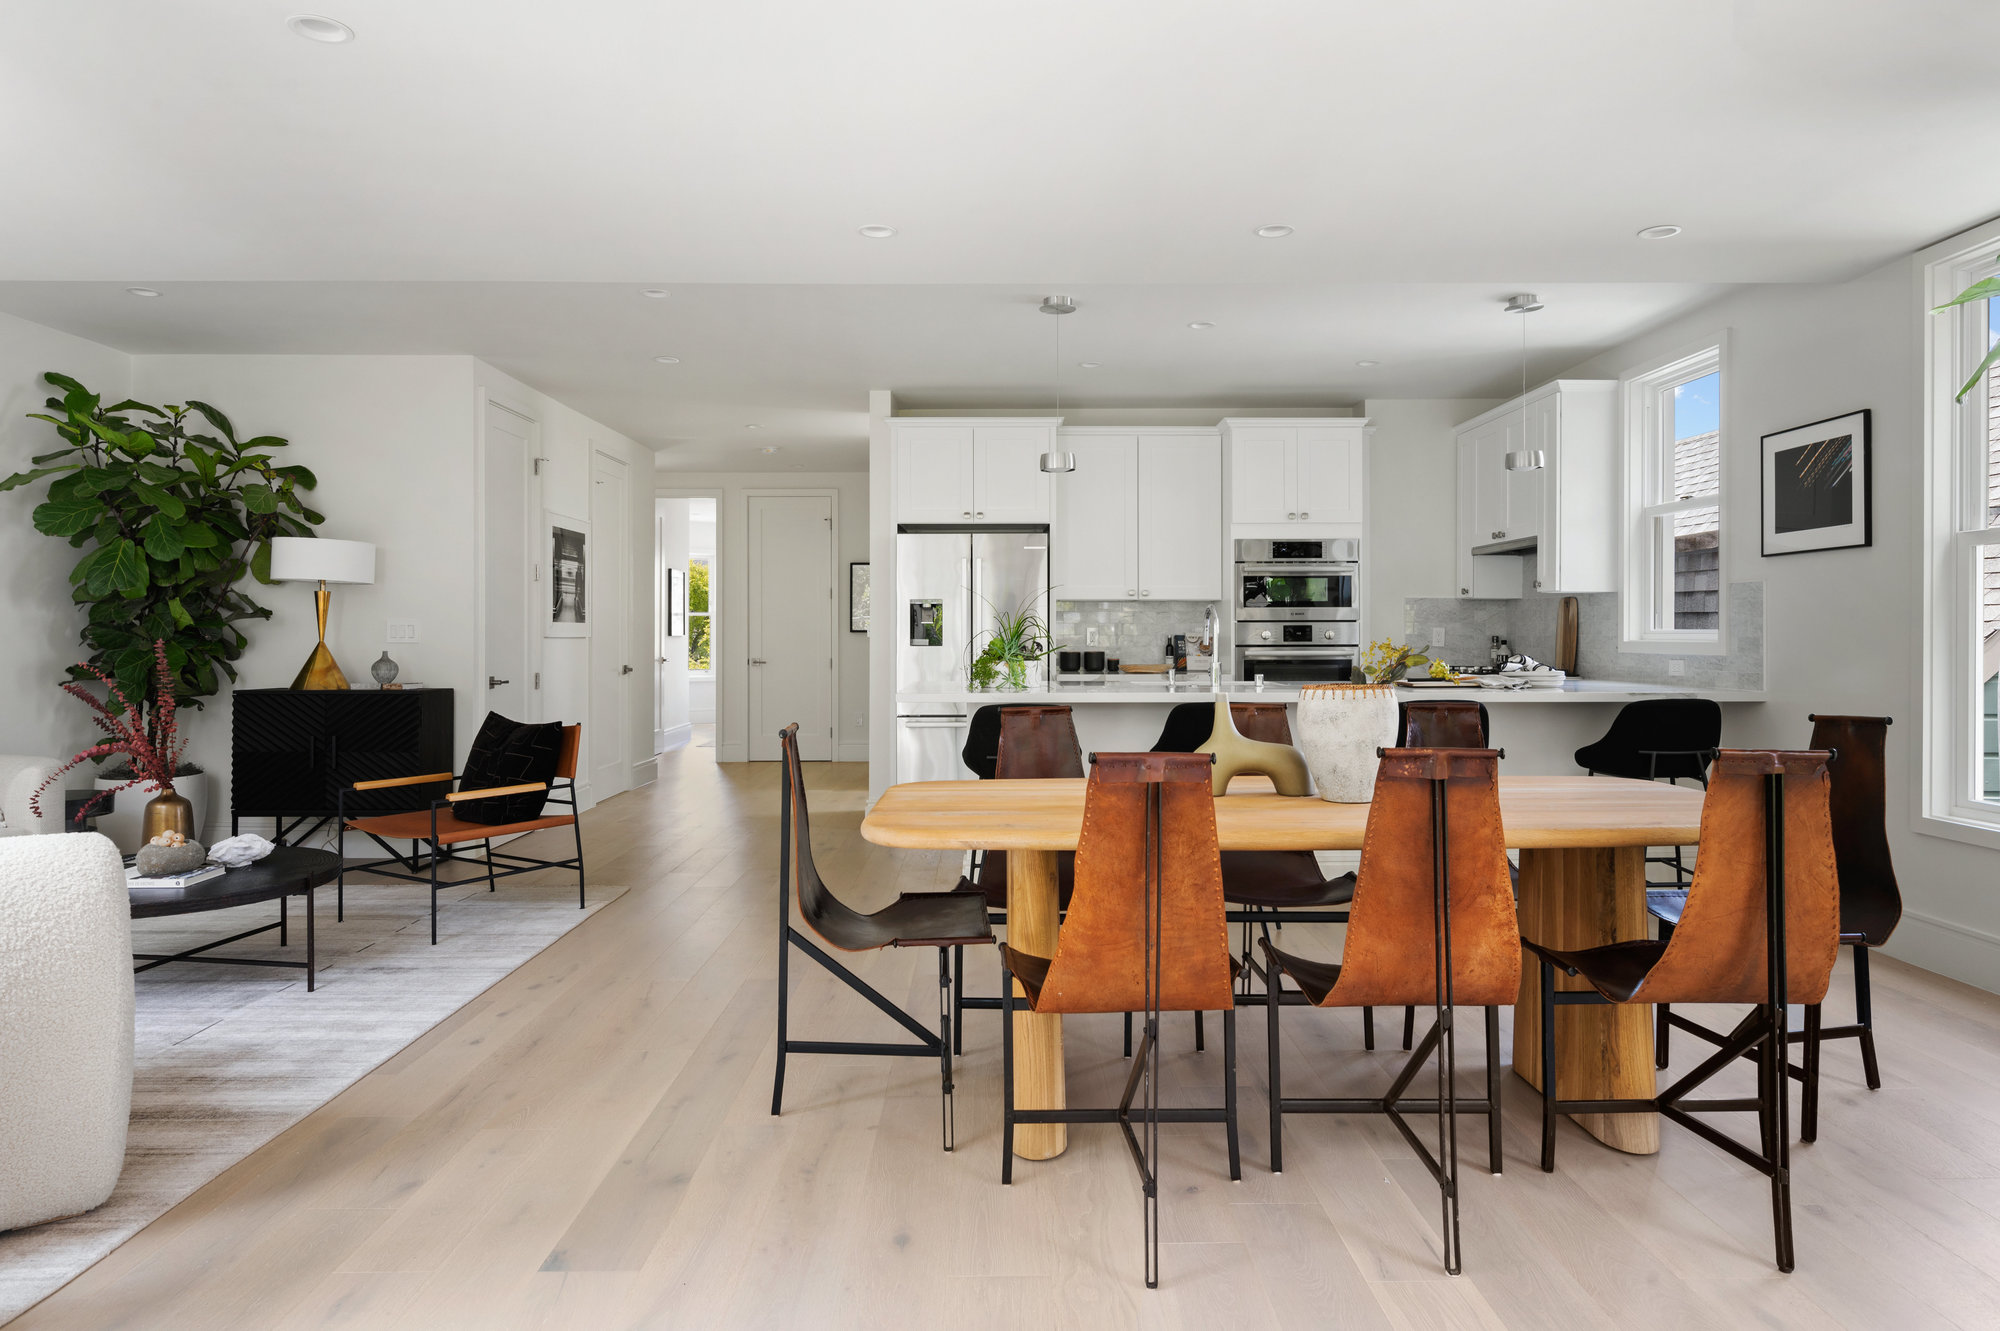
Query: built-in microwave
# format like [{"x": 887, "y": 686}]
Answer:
[{"x": 1297, "y": 580}]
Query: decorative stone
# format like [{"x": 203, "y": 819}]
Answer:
[
  {"x": 156, "y": 861},
  {"x": 1340, "y": 726},
  {"x": 1235, "y": 754}
]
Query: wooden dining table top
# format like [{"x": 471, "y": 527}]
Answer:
[{"x": 1537, "y": 812}]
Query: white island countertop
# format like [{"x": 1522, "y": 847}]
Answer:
[{"x": 1155, "y": 690}]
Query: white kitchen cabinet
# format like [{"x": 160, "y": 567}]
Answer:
[
  {"x": 1537, "y": 478},
  {"x": 972, "y": 471},
  {"x": 1286, "y": 474},
  {"x": 1096, "y": 536},
  {"x": 1180, "y": 517},
  {"x": 1141, "y": 516}
]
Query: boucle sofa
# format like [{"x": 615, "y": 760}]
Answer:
[
  {"x": 65, "y": 1025},
  {"x": 20, "y": 776}
]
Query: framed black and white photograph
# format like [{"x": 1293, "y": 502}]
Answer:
[
  {"x": 859, "y": 607},
  {"x": 1818, "y": 486},
  {"x": 677, "y": 603},
  {"x": 569, "y": 577}
]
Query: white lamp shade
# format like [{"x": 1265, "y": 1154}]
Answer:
[{"x": 311, "y": 559}]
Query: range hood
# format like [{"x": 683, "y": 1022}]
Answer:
[{"x": 1518, "y": 545}]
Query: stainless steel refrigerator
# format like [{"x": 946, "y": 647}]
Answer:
[{"x": 950, "y": 582}]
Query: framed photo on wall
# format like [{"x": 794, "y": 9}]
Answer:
[
  {"x": 677, "y": 603},
  {"x": 1819, "y": 486},
  {"x": 860, "y": 606},
  {"x": 569, "y": 577}
]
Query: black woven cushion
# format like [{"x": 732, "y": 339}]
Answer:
[{"x": 508, "y": 753}]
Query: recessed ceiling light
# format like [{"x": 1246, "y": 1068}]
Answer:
[
  {"x": 753, "y": 427},
  {"x": 876, "y": 231},
  {"x": 319, "y": 28},
  {"x": 140, "y": 291},
  {"x": 655, "y": 293},
  {"x": 1276, "y": 231},
  {"x": 1200, "y": 324},
  {"x": 667, "y": 360},
  {"x": 795, "y": 466},
  {"x": 1665, "y": 231},
  {"x": 1366, "y": 364},
  {"x": 768, "y": 448},
  {"x": 1087, "y": 364}
]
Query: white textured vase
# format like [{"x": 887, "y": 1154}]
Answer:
[{"x": 1339, "y": 727}]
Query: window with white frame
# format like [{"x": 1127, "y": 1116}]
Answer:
[
  {"x": 1673, "y": 541},
  {"x": 1962, "y": 510}
]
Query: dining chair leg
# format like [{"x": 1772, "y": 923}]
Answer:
[
  {"x": 1007, "y": 1073},
  {"x": 1128, "y": 1035},
  {"x": 1779, "y": 1101},
  {"x": 434, "y": 895},
  {"x": 784, "y": 1006},
  {"x": 1409, "y": 1026},
  {"x": 1229, "y": 1092},
  {"x": 958, "y": 1000},
  {"x": 1548, "y": 1067},
  {"x": 949, "y": 1108},
  {"x": 1200, "y": 1038},
  {"x": 577, "y": 827},
  {"x": 1864, "y": 1017},
  {"x": 1493, "y": 1123},
  {"x": 1273, "y": 1000},
  {"x": 1662, "y": 1023},
  {"x": 1368, "y": 1028},
  {"x": 1809, "y": 1096},
  {"x": 490, "y": 885},
  {"x": 340, "y": 881}
]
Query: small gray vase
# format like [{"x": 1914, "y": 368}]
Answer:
[{"x": 384, "y": 671}]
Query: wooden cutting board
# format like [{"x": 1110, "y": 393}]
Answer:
[{"x": 1566, "y": 630}]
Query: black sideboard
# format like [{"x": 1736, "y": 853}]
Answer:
[{"x": 293, "y": 750}]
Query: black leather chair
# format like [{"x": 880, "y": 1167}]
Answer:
[
  {"x": 943, "y": 920},
  {"x": 1670, "y": 739}
]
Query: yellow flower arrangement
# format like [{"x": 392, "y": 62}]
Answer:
[{"x": 1387, "y": 661}]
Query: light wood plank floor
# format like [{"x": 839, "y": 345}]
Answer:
[{"x": 588, "y": 1145}]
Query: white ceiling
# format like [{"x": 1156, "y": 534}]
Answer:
[{"x": 1431, "y": 156}]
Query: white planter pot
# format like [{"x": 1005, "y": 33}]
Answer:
[
  {"x": 122, "y": 824},
  {"x": 1338, "y": 728}
]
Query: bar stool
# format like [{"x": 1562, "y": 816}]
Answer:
[
  {"x": 915, "y": 919},
  {"x": 1009, "y": 743},
  {"x": 1670, "y": 738},
  {"x": 1871, "y": 904},
  {"x": 1433, "y": 923},
  {"x": 1144, "y": 934},
  {"x": 1762, "y": 926}
]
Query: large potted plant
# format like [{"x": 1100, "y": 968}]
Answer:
[{"x": 168, "y": 520}]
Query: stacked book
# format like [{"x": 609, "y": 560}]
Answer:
[{"x": 174, "y": 880}]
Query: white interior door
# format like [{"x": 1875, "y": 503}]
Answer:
[
  {"x": 791, "y": 623},
  {"x": 611, "y": 667},
  {"x": 505, "y": 560}
]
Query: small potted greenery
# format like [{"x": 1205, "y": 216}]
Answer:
[{"x": 1017, "y": 637}]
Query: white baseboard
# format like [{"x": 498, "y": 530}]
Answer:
[
  {"x": 644, "y": 773},
  {"x": 852, "y": 752},
  {"x": 701, "y": 714},
  {"x": 1961, "y": 952},
  {"x": 674, "y": 737},
  {"x": 732, "y": 753}
]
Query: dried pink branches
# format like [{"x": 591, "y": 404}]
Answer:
[{"x": 148, "y": 741}]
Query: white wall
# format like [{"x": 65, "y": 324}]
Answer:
[
  {"x": 1412, "y": 497},
  {"x": 1842, "y": 627},
  {"x": 34, "y": 569},
  {"x": 731, "y": 569}
]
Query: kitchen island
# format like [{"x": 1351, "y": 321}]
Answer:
[{"x": 1539, "y": 728}]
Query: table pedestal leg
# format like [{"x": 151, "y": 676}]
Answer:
[
  {"x": 1032, "y": 916},
  {"x": 1577, "y": 899}
]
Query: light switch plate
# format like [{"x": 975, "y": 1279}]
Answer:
[{"x": 402, "y": 630}]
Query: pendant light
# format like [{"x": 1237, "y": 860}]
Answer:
[
  {"x": 1058, "y": 461},
  {"x": 1525, "y": 304}
]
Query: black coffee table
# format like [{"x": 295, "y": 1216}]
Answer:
[{"x": 286, "y": 872}]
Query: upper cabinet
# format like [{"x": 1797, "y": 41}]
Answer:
[
  {"x": 1141, "y": 516},
  {"x": 1539, "y": 474},
  {"x": 1286, "y": 473},
  {"x": 957, "y": 471}
]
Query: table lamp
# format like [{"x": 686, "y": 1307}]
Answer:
[{"x": 311, "y": 559}]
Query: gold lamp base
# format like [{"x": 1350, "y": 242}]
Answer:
[{"x": 320, "y": 670}]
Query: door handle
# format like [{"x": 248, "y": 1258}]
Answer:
[
  {"x": 624, "y": 670},
  {"x": 493, "y": 683}
]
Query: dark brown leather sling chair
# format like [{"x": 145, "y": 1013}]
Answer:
[
  {"x": 1766, "y": 859},
  {"x": 1009, "y": 744},
  {"x": 942, "y": 920},
  {"x": 1144, "y": 933},
  {"x": 1871, "y": 904},
  {"x": 1433, "y": 852}
]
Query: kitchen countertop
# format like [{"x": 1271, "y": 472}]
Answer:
[{"x": 1155, "y": 690}]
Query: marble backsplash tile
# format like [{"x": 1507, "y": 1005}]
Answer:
[
  {"x": 1460, "y": 631},
  {"x": 1130, "y": 630}
]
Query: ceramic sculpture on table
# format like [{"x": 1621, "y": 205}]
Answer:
[
  {"x": 1234, "y": 755},
  {"x": 1340, "y": 726}
]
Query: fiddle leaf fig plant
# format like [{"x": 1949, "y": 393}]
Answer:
[{"x": 168, "y": 520}]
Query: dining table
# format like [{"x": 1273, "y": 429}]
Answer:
[{"x": 1582, "y": 842}]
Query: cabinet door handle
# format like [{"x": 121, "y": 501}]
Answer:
[
  {"x": 1291, "y": 517},
  {"x": 1145, "y": 591},
  {"x": 757, "y": 660},
  {"x": 966, "y": 514},
  {"x": 1304, "y": 516},
  {"x": 626, "y": 670},
  {"x": 1131, "y": 591},
  {"x": 979, "y": 515},
  {"x": 1465, "y": 591}
]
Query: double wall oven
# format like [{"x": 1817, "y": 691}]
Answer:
[{"x": 1297, "y": 618}]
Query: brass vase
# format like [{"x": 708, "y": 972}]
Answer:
[{"x": 166, "y": 812}]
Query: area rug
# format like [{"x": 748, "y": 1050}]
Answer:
[{"x": 230, "y": 1056}]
